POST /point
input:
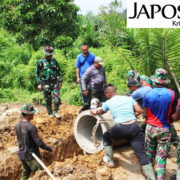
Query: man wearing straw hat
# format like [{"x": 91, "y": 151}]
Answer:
[
  {"x": 29, "y": 142},
  {"x": 159, "y": 103}
]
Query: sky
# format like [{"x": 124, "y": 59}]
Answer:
[{"x": 91, "y": 5}]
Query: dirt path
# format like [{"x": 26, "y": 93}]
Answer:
[{"x": 69, "y": 162}]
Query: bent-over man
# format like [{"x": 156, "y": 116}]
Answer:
[{"x": 124, "y": 111}]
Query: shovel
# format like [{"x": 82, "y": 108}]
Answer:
[{"x": 43, "y": 165}]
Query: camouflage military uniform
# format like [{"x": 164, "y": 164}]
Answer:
[
  {"x": 48, "y": 75},
  {"x": 158, "y": 140},
  {"x": 145, "y": 80}
]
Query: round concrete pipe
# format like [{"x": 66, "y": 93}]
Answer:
[{"x": 83, "y": 128}]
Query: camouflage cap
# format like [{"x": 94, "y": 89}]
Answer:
[
  {"x": 143, "y": 77},
  {"x": 28, "y": 109},
  {"x": 160, "y": 77},
  {"x": 132, "y": 74},
  {"x": 48, "y": 51}
]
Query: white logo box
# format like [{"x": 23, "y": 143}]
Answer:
[{"x": 153, "y": 13}]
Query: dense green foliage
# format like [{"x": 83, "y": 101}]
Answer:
[
  {"x": 41, "y": 22},
  {"x": 122, "y": 49},
  {"x": 18, "y": 64}
]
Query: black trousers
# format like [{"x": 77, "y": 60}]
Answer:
[
  {"x": 96, "y": 94},
  {"x": 132, "y": 134}
]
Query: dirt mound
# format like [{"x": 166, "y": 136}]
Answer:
[
  {"x": 57, "y": 133},
  {"x": 69, "y": 163},
  {"x": 10, "y": 166}
]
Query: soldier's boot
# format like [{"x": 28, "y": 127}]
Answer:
[
  {"x": 108, "y": 158},
  {"x": 49, "y": 110},
  {"x": 56, "y": 109},
  {"x": 149, "y": 171}
]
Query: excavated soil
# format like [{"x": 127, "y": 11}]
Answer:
[{"x": 69, "y": 162}]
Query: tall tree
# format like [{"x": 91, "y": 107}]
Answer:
[{"x": 41, "y": 22}]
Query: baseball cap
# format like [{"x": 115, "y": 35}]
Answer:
[{"x": 99, "y": 60}]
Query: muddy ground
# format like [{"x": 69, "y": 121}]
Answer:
[{"x": 69, "y": 163}]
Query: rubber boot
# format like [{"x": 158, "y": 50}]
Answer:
[
  {"x": 56, "y": 109},
  {"x": 149, "y": 171},
  {"x": 108, "y": 158},
  {"x": 49, "y": 109},
  {"x": 178, "y": 175}
]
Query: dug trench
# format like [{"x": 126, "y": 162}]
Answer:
[{"x": 69, "y": 162}]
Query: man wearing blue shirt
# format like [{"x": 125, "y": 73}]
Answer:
[
  {"x": 138, "y": 91},
  {"x": 83, "y": 62},
  {"x": 159, "y": 104},
  {"x": 124, "y": 111}
]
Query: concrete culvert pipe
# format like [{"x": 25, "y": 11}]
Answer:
[{"x": 83, "y": 129}]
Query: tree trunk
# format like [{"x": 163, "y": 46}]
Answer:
[{"x": 174, "y": 77}]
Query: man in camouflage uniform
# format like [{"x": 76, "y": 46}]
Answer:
[
  {"x": 145, "y": 80},
  {"x": 159, "y": 104},
  {"x": 49, "y": 80}
]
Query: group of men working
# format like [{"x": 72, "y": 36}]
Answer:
[
  {"x": 160, "y": 109},
  {"x": 48, "y": 77},
  {"x": 148, "y": 96}
]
